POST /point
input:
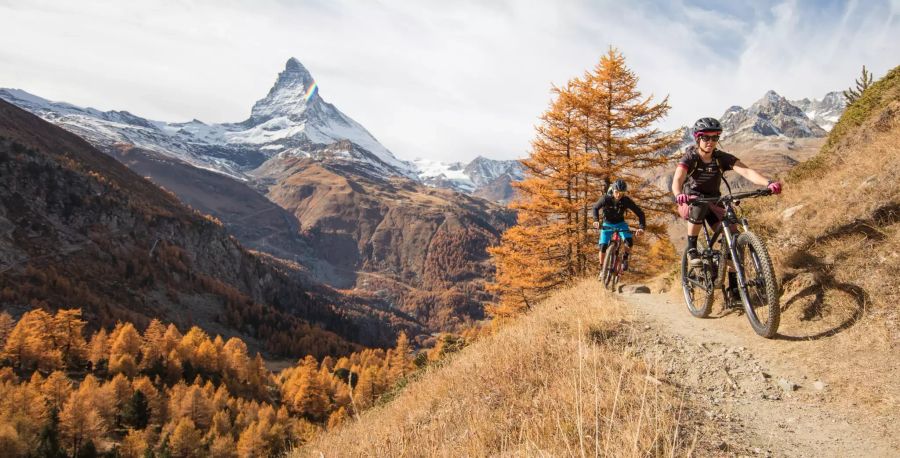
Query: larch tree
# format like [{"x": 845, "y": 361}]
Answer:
[
  {"x": 134, "y": 444},
  {"x": 56, "y": 390},
  {"x": 542, "y": 251},
  {"x": 304, "y": 391},
  {"x": 195, "y": 406},
  {"x": 400, "y": 362},
  {"x": 30, "y": 344},
  {"x": 79, "y": 421},
  {"x": 68, "y": 336},
  {"x": 185, "y": 439},
  {"x": 222, "y": 447},
  {"x": 152, "y": 345},
  {"x": 98, "y": 349},
  {"x": 619, "y": 135},
  {"x": 251, "y": 443},
  {"x": 124, "y": 349},
  {"x": 598, "y": 128}
]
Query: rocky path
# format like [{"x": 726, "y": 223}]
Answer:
[{"x": 758, "y": 397}]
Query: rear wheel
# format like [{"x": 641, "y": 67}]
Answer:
[
  {"x": 697, "y": 284},
  {"x": 760, "y": 297}
]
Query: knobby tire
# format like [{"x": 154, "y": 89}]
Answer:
[{"x": 762, "y": 294}]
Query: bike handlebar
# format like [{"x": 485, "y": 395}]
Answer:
[
  {"x": 732, "y": 197},
  {"x": 611, "y": 229}
]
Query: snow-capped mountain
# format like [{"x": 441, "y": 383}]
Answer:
[
  {"x": 768, "y": 116},
  {"x": 483, "y": 170},
  {"x": 771, "y": 118},
  {"x": 484, "y": 177},
  {"x": 825, "y": 112},
  {"x": 444, "y": 175},
  {"x": 291, "y": 120}
]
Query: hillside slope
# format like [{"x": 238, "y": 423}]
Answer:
[
  {"x": 79, "y": 229},
  {"x": 422, "y": 249},
  {"x": 834, "y": 233},
  {"x": 554, "y": 382}
]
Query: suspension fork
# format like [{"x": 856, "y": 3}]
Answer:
[{"x": 731, "y": 240}]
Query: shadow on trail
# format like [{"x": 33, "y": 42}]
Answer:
[{"x": 816, "y": 284}]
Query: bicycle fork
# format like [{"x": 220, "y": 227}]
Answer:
[{"x": 732, "y": 250}]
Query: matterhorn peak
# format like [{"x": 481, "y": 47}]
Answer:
[
  {"x": 294, "y": 90},
  {"x": 294, "y": 71}
]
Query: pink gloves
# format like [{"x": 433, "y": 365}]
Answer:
[
  {"x": 775, "y": 187},
  {"x": 684, "y": 198}
]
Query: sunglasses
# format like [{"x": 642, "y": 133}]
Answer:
[{"x": 709, "y": 138}]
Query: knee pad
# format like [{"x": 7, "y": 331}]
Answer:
[{"x": 603, "y": 247}]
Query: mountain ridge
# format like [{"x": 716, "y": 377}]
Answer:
[{"x": 80, "y": 228}]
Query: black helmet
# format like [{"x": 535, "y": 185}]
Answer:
[
  {"x": 707, "y": 125},
  {"x": 619, "y": 185}
]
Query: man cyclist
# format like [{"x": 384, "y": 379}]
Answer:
[
  {"x": 614, "y": 203},
  {"x": 699, "y": 174}
]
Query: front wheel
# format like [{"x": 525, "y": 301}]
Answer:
[
  {"x": 760, "y": 296},
  {"x": 610, "y": 275}
]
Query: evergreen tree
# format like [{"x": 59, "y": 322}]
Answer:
[
  {"x": 88, "y": 450},
  {"x": 137, "y": 411},
  {"x": 862, "y": 83},
  {"x": 48, "y": 439}
]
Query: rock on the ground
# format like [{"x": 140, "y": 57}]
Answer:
[
  {"x": 787, "y": 385},
  {"x": 636, "y": 289}
]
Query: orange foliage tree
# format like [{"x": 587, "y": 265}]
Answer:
[{"x": 598, "y": 129}]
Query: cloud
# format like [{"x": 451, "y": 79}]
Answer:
[{"x": 441, "y": 80}]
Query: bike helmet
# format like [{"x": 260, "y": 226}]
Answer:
[
  {"x": 706, "y": 125},
  {"x": 619, "y": 185}
]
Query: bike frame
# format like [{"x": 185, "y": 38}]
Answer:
[
  {"x": 616, "y": 241},
  {"x": 724, "y": 227}
]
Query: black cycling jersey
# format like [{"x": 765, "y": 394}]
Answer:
[
  {"x": 614, "y": 210},
  {"x": 704, "y": 179}
]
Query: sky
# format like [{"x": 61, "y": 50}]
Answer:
[{"x": 441, "y": 80}]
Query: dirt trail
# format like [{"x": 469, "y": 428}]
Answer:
[{"x": 762, "y": 397}]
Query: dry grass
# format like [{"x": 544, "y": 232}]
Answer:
[
  {"x": 554, "y": 382},
  {"x": 838, "y": 251}
]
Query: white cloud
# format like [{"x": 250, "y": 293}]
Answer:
[{"x": 442, "y": 80}]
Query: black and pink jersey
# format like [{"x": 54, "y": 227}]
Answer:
[{"x": 704, "y": 179}]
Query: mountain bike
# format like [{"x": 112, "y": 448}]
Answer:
[
  {"x": 612, "y": 264},
  {"x": 745, "y": 252}
]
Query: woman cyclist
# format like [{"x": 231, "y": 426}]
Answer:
[{"x": 699, "y": 174}]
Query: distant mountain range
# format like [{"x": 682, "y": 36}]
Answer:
[
  {"x": 78, "y": 229},
  {"x": 292, "y": 120},
  {"x": 483, "y": 177},
  {"x": 302, "y": 181},
  {"x": 774, "y": 117}
]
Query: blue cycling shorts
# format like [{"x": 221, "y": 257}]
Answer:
[{"x": 606, "y": 232}]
